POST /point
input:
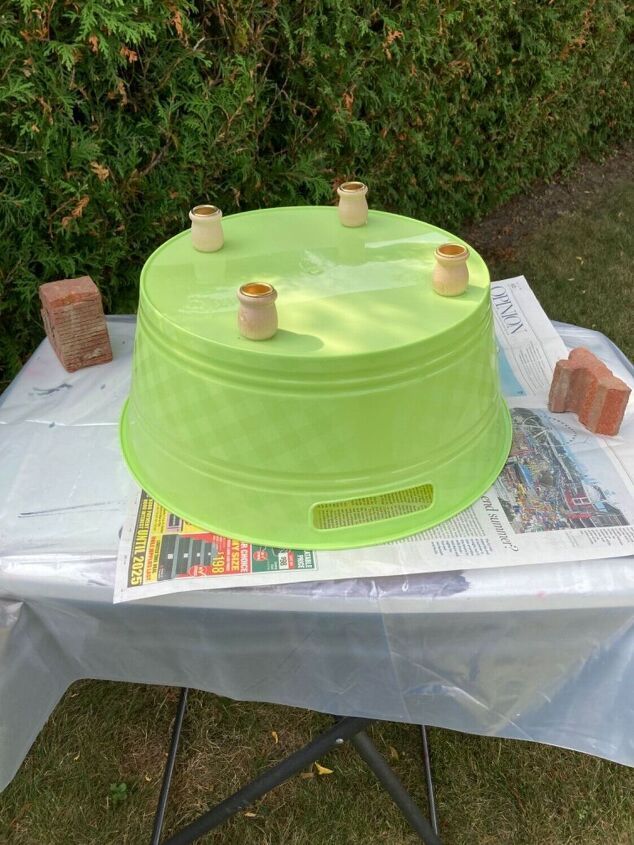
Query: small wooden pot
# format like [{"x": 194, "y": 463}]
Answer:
[
  {"x": 207, "y": 233},
  {"x": 353, "y": 205},
  {"x": 257, "y": 315},
  {"x": 450, "y": 276}
]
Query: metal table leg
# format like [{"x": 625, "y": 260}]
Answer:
[
  {"x": 169, "y": 768},
  {"x": 268, "y": 780},
  {"x": 403, "y": 800},
  {"x": 348, "y": 728},
  {"x": 429, "y": 781}
]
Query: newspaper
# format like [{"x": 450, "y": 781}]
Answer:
[{"x": 564, "y": 494}]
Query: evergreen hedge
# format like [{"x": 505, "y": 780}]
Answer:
[{"x": 117, "y": 115}]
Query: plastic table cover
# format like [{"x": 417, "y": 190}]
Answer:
[{"x": 542, "y": 652}]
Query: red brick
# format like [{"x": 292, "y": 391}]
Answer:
[
  {"x": 68, "y": 291},
  {"x": 583, "y": 384},
  {"x": 75, "y": 324}
]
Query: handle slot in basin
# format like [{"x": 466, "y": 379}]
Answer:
[{"x": 342, "y": 514}]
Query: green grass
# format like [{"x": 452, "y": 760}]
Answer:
[
  {"x": 93, "y": 775},
  {"x": 583, "y": 272},
  {"x": 579, "y": 254},
  {"x": 581, "y": 267}
]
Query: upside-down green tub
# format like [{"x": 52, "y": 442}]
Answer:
[{"x": 374, "y": 413}]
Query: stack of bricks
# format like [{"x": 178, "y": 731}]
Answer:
[
  {"x": 583, "y": 384},
  {"x": 75, "y": 323}
]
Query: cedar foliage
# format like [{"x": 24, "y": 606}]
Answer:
[{"x": 116, "y": 117}]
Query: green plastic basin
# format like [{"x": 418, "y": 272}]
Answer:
[{"x": 375, "y": 411}]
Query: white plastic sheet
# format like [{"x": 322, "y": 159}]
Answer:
[{"x": 544, "y": 653}]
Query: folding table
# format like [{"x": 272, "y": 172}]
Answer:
[{"x": 541, "y": 653}]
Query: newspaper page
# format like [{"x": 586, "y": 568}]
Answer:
[{"x": 563, "y": 495}]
